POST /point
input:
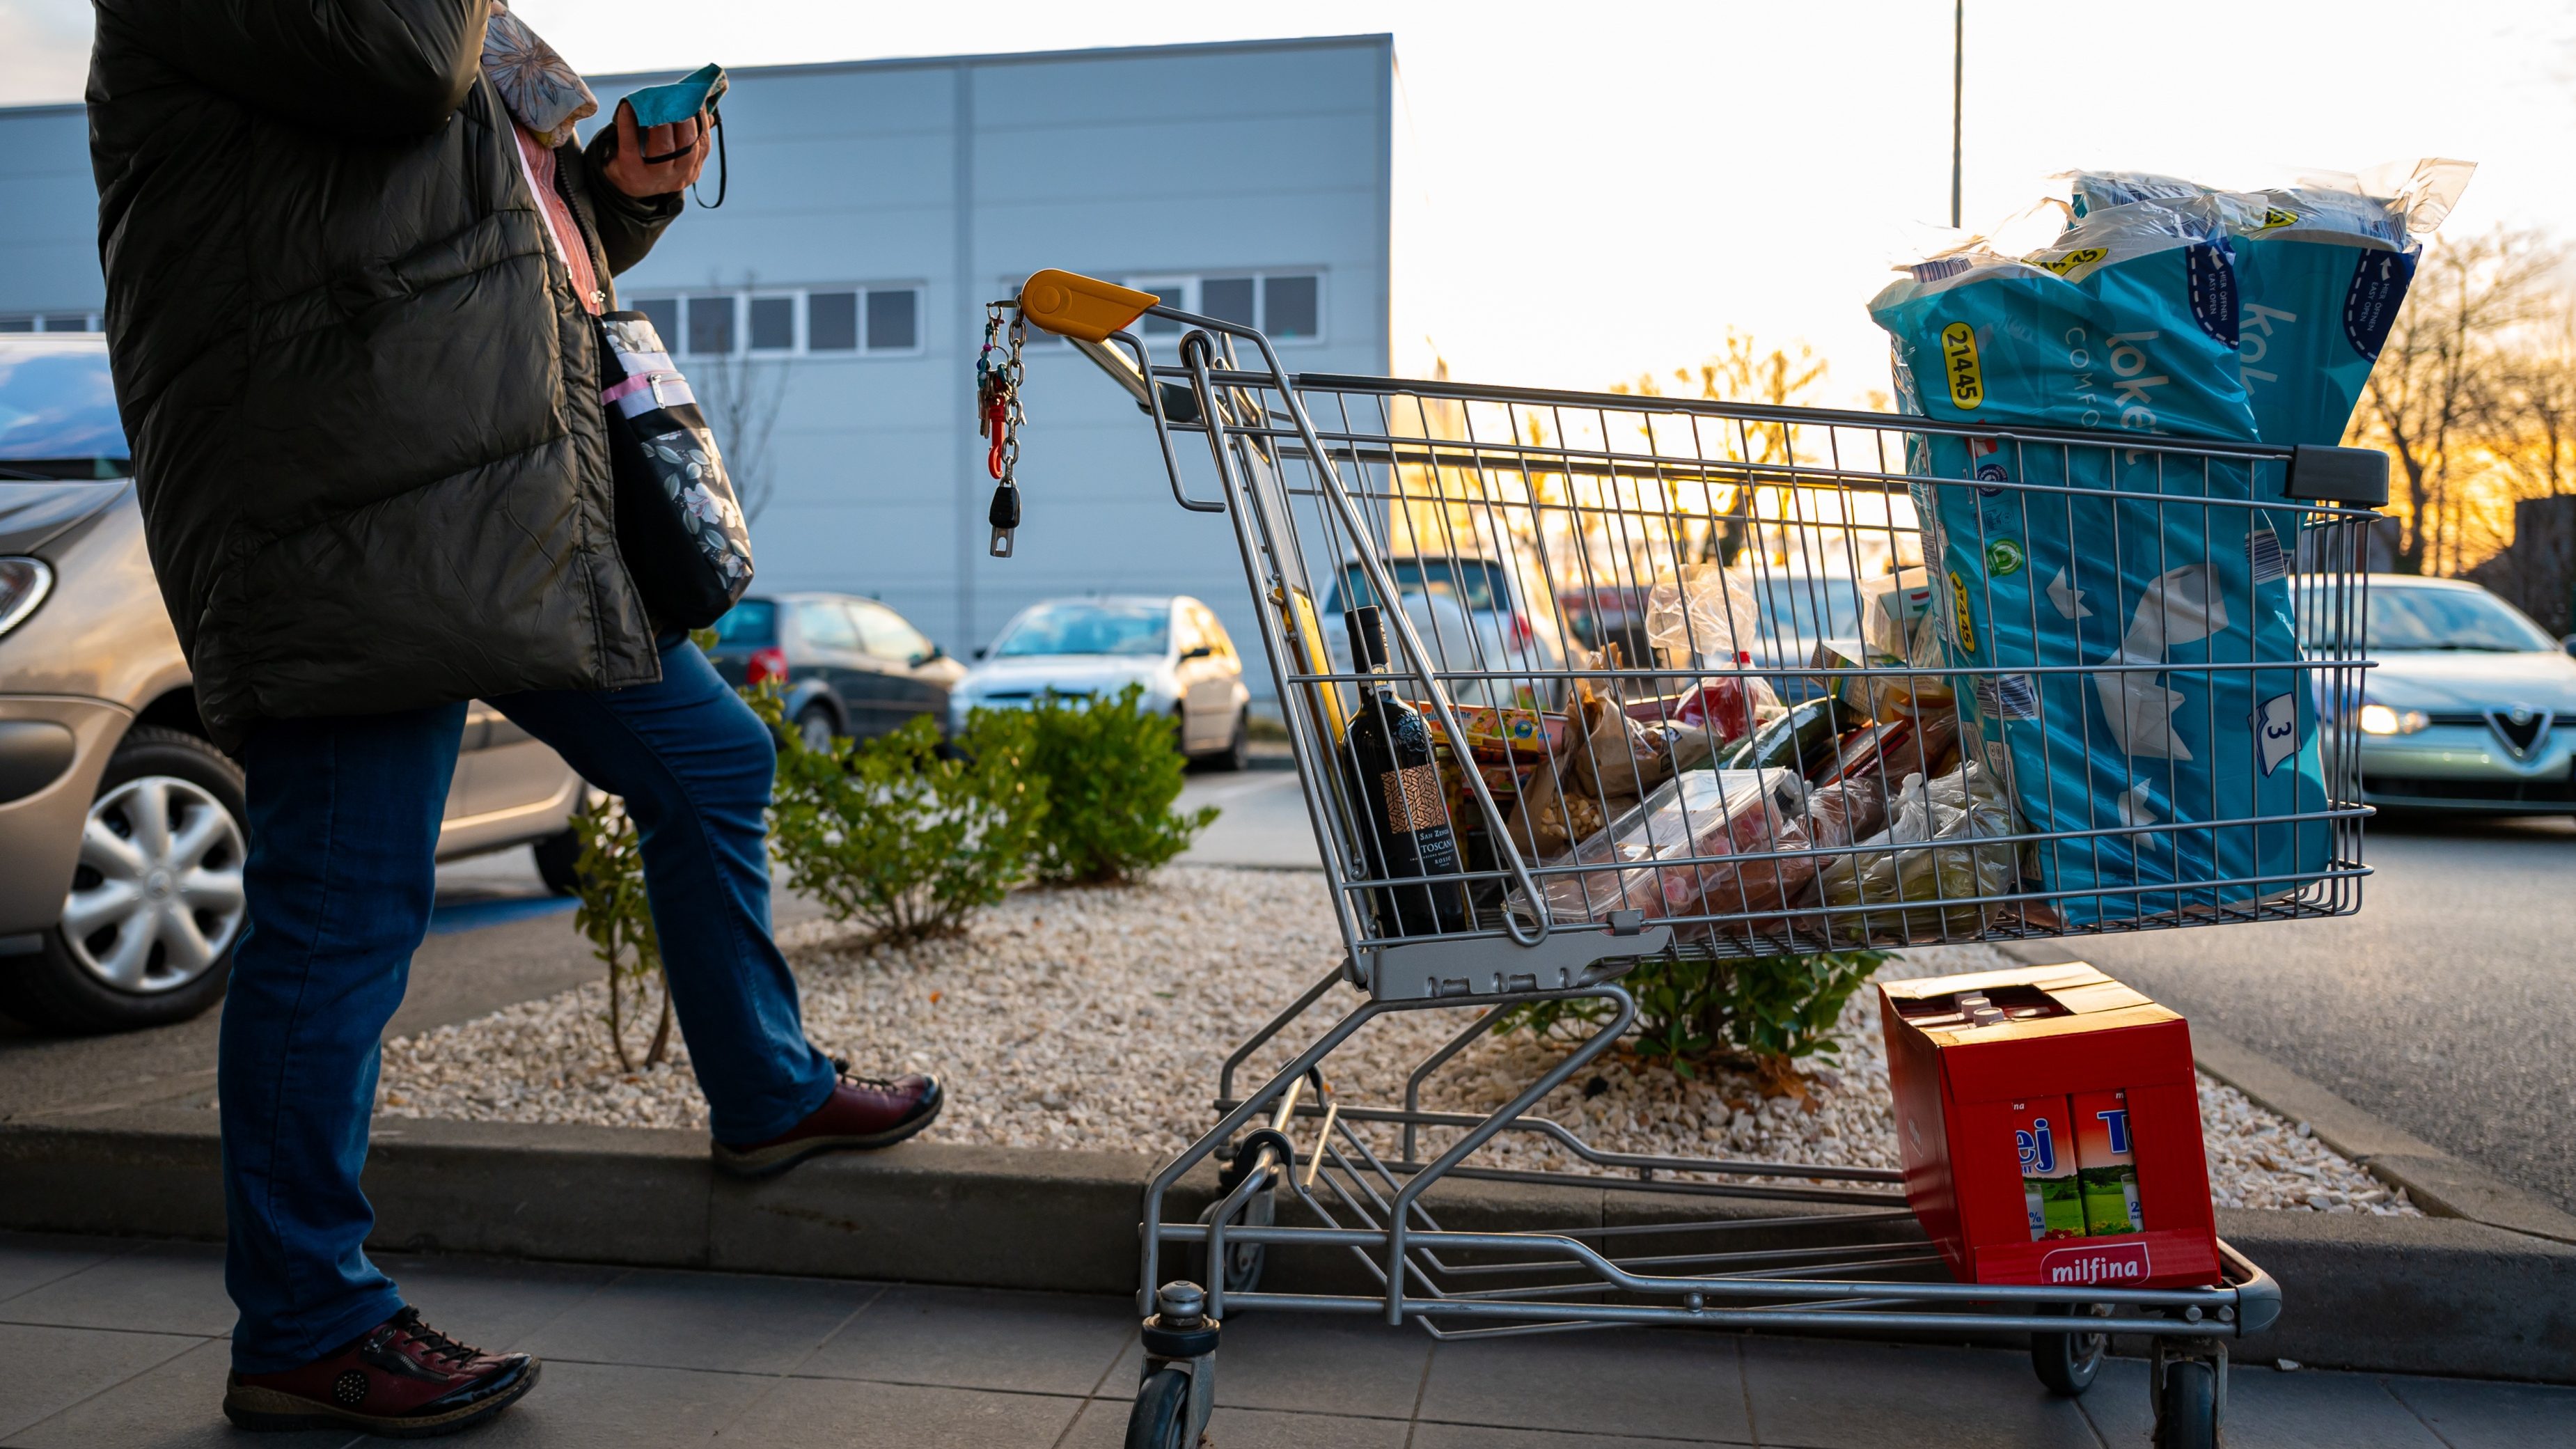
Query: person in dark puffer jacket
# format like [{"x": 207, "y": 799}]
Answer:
[{"x": 355, "y": 259}]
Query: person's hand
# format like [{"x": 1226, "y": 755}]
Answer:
[{"x": 627, "y": 169}]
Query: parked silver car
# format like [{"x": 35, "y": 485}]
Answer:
[
  {"x": 1170, "y": 644},
  {"x": 2472, "y": 706},
  {"x": 122, "y": 832}
]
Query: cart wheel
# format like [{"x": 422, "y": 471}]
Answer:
[
  {"x": 1243, "y": 1261},
  {"x": 1161, "y": 1418},
  {"x": 2186, "y": 1406},
  {"x": 2067, "y": 1362}
]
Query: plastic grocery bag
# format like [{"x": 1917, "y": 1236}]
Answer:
[
  {"x": 1950, "y": 825},
  {"x": 1705, "y": 614},
  {"x": 2322, "y": 267},
  {"x": 1727, "y": 706},
  {"x": 2127, "y": 590}
]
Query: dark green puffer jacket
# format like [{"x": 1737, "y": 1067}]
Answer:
[{"x": 360, "y": 392}]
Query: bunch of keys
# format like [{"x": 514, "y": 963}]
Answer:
[{"x": 998, "y": 418}]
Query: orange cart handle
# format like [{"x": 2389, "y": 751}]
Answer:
[{"x": 1070, "y": 304}]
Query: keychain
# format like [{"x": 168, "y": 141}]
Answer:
[{"x": 998, "y": 419}]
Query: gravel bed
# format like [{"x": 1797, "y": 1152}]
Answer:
[{"x": 1099, "y": 1019}]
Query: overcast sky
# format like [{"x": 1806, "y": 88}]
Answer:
[{"x": 1595, "y": 189}]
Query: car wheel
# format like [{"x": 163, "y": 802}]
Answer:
[
  {"x": 815, "y": 727},
  {"x": 559, "y": 862},
  {"x": 156, "y": 907}
]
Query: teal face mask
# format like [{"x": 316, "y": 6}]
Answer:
[{"x": 681, "y": 100}]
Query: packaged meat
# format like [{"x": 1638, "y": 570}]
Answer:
[{"x": 1657, "y": 857}]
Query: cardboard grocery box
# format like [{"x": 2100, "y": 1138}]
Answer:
[{"x": 2062, "y": 1031}]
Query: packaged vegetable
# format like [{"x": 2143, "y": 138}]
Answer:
[
  {"x": 1800, "y": 740},
  {"x": 1939, "y": 845}
]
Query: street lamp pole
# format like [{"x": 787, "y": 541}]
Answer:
[{"x": 1958, "y": 97}]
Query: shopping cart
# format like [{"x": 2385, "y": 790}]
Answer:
[{"x": 1459, "y": 515}]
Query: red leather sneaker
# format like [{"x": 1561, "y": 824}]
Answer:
[
  {"x": 861, "y": 1112},
  {"x": 401, "y": 1379}
]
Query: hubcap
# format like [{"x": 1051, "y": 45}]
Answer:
[{"x": 157, "y": 897}]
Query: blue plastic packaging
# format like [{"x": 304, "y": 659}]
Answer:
[
  {"x": 2322, "y": 268},
  {"x": 2099, "y": 567}
]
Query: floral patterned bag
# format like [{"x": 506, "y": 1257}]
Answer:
[{"x": 678, "y": 523}]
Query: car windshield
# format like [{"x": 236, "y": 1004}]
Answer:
[
  {"x": 1088, "y": 629},
  {"x": 58, "y": 413},
  {"x": 1474, "y": 584},
  {"x": 2404, "y": 618},
  {"x": 751, "y": 622}
]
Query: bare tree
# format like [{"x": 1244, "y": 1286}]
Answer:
[
  {"x": 2438, "y": 399},
  {"x": 2535, "y": 407},
  {"x": 741, "y": 398},
  {"x": 1741, "y": 370}
]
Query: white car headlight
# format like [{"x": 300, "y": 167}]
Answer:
[
  {"x": 2379, "y": 719},
  {"x": 24, "y": 582}
]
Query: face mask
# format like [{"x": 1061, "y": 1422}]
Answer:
[{"x": 681, "y": 100}]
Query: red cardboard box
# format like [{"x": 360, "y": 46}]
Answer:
[{"x": 2065, "y": 1030}]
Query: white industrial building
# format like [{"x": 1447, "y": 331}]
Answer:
[{"x": 874, "y": 207}]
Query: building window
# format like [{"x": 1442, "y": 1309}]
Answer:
[
  {"x": 49, "y": 321},
  {"x": 773, "y": 324},
  {"x": 791, "y": 321},
  {"x": 711, "y": 326},
  {"x": 832, "y": 322},
  {"x": 894, "y": 323},
  {"x": 1287, "y": 306},
  {"x": 1229, "y": 298}
]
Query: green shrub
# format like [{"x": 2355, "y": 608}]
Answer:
[
  {"x": 613, "y": 913},
  {"x": 1768, "y": 1013},
  {"x": 901, "y": 836},
  {"x": 1111, "y": 773}
]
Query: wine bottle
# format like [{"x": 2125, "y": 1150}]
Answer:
[{"x": 1388, "y": 765}]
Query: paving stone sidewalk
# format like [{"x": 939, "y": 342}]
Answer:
[{"x": 118, "y": 1343}]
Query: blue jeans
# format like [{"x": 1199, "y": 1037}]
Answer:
[{"x": 344, "y": 817}]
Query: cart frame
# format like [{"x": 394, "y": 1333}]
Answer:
[{"x": 1851, "y": 1263}]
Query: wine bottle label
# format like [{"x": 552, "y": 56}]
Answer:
[{"x": 1412, "y": 799}]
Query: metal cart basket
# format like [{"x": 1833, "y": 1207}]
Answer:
[{"x": 1582, "y": 593}]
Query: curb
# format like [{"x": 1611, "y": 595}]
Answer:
[
  {"x": 2415, "y": 1295},
  {"x": 2442, "y": 1185}
]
